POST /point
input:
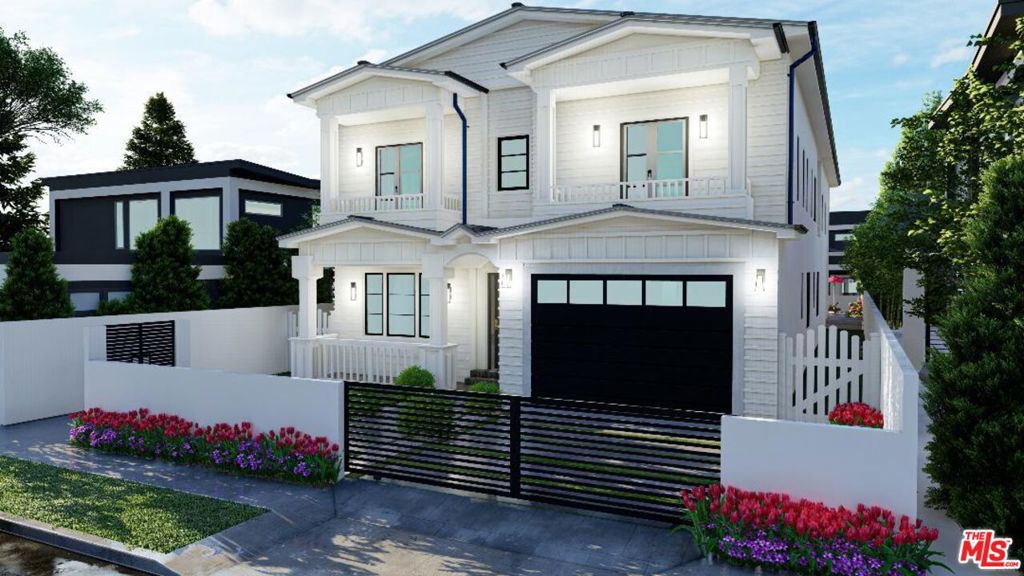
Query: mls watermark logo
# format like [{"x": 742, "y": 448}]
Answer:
[{"x": 987, "y": 551}]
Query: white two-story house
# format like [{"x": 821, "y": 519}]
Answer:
[{"x": 597, "y": 205}]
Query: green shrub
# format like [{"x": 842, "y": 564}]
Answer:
[
  {"x": 32, "y": 289},
  {"x": 975, "y": 393},
  {"x": 415, "y": 376},
  {"x": 257, "y": 271},
  {"x": 424, "y": 415},
  {"x": 483, "y": 406},
  {"x": 485, "y": 387}
]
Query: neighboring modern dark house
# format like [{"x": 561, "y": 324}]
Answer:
[
  {"x": 95, "y": 218},
  {"x": 840, "y": 230}
]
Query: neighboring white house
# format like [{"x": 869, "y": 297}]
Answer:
[{"x": 617, "y": 206}]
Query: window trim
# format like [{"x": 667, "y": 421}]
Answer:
[
  {"x": 126, "y": 233},
  {"x": 366, "y": 304},
  {"x": 398, "y": 169},
  {"x": 500, "y": 156},
  {"x": 686, "y": 145},
  {"x": 387, "y": 304},
  {"x": 213, "y": 193}
]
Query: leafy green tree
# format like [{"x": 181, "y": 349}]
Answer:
[
  {"x": 38, "y": 98},
  {"x": 975, "y": 393},
  {"x": 32, "y": 289},
  {"x": 160, "y": 140},
  {"x": 164, "y": 278},
  {"x": 258, "y": 272}
]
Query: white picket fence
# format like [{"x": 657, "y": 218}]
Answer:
[{"x": 824, "y": 367}]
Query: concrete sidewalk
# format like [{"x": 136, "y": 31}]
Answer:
[{"x": 363, "y": 527}]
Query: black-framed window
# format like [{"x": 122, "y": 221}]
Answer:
[
  {"x": 674, "y": 292},
  {"x": 400, "y": 169},
  {"x": 133, "y": 216},
  {"x": 424, "y": 318},
  {"x": 514, "y": 163},
  {"x": 204, "y": 214},
  {"x": 656, "y": 150},
  {"x": 401, "y": 304},
  {"x": 374, "y": 310}
]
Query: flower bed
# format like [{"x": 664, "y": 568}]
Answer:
[
  {"x": 286, "y": 454},
  {"x": 856, "y": 414},
  {"x": 773, "y": 531}
]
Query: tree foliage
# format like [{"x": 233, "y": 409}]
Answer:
[
  {"x": 32, "y": 289},
  {"x": 38, "y": 98},
  {"x": 164, "y": 278},
  {"x": 258, "y": 273},
  {"x": 160, "y": 140},
  {"x": 975, "y": 393}
]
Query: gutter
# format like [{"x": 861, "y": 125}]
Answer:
[
  {"x": 792, "y": 105},
  {"x": 465, "y": 177}
]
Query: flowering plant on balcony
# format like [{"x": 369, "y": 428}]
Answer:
[
  {"x": 855, "y": 309},
  {"x": 286, "y": 454},
  {"x": 856, "y": 414},
  {"x": 774, "y": 531}
]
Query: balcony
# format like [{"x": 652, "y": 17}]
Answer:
[
  {"x": 689, "y": 194},
  {"x": 370, "y": 205}
]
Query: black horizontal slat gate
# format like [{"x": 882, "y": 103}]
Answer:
[
  {"x": 623, "y": 459},
  {"x": 141, "y": 343}
]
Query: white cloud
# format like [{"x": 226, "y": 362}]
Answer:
[
  {"x": 855, "y": 193},
  {"x": 952, "y": 51}
]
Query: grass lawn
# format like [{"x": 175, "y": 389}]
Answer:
[{"x": 135, "y": 514}]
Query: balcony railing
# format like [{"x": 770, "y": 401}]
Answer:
[
  {"x": 403, "y": 203},
  {"x": 645, "y": 190},
  {"x": 372, "y": 361}
]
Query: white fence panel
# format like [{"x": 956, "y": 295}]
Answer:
[{"x": 824, "y": 367}]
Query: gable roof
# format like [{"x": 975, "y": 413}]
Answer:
[
  {"x": 194, "y": 171},
  {"x": 292, "y": 239},
  {"x": 364, "y": 70}
]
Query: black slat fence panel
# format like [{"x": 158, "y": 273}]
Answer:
[
  {"x": 141, "y": 343},
  {"x": 617, "y": 458}
]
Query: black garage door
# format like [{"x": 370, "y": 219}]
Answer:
[{"x": 657, "y": 340}]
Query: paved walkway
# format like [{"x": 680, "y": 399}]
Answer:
[{"x": 362, "y": 527}]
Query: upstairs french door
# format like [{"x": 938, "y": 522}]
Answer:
[
  {"x": 400, "y": 174},
  {"x": 654, "y": 158}
]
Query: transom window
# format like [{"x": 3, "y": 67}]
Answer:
[
  {"x": 400, "y": 170},
  {"x": 654, "y": 150},
  {"x": 133, "y": 217},
  {"x": 634, "y": 292},
  {"x": 514, "y": 163}
]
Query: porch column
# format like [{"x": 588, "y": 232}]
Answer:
[
  {"x": 437, "y": 276},
  {"x": 433, "y": 183},
  {"x": 307, "y": 273},
  {"x": 329, "y": 160},
  {"x": 738, "y": 127},
  {"x": 544, "y": 134}
]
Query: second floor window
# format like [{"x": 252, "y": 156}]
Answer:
[
  {"x": 203, "y": 215},
  {"x": 654, "y": 150},
  {"x": 400, "y": 170},
  {"x": 514, "y": 163},
  {"x": 133, "y": 217}
]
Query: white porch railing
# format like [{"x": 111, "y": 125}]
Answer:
[
  {"x": 646, "y": 190},
  {"x": 405, "y": 202},
  {"x": 371, "y": 361},
  {"x": 821, "y": 368},
  {"x": 323, "y": 319}
]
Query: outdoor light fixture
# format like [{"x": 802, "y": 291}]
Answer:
[
  {"x": 352, "y": 291},
  {"x": 506, "y": 278},
  {"x": 597, "y": 135},
  {"x": 703, "y": 126},
  {"x": 449, "y": 292},
  {"x": 759, "y": 280},
  {"x": 359, "y": 157}
]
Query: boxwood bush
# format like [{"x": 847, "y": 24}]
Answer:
[{"x": 424, "y": 415}]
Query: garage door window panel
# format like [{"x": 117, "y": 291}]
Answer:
[
  {"x": 586, "y": 292},
  {"x": 706, "y": 294},
  {"x": 664, "y": 293},
  {"x": 625, "y": 292}
]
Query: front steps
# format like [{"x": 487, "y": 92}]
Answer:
[{"x": 478, "y": 375}]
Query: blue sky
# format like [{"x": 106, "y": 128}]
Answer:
[{"x": 227, "y": 64}]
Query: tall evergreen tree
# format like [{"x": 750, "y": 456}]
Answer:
[
  {"x": 975, "y": 393},
  {"x": 258, "y": 272},
  {"x": 38, "y": 98},
  {"x": 160, "y": 140},
  {"x": 32, "y": 289}
]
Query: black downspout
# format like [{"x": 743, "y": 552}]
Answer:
[
  {"x": 465, "y": 178},
  {"x": 792, "y": 98}
]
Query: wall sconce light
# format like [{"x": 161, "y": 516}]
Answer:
[
  {"x": 506, "y": 278},
  {"x": 359, "y": 157},
  {"x": 352, "y": 291},
  {"x": 759, "y": 280},
  {"x": 449, "y": 292},
  {"x": 703, "y": 129},
  {"x": 597, "y": 136}
]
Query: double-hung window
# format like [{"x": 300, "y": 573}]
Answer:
[
  {"x": 514, "y": 163},
  {"x": 133, "y": 217},
  {"x": 375, "y": 304},
  {"x": 655, "y": 150},
  {"x": 400, "y": 170},
  {"x": 202, "y": 212},
  {"x": 424, "y": 307},
  {"x": 401, "y": 304}
]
